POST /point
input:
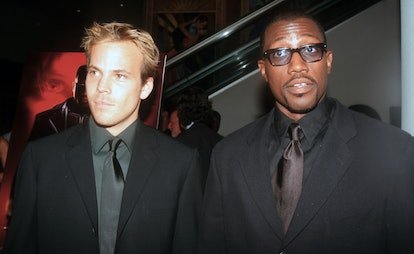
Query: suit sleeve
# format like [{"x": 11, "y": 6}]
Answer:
[
  {"x": 400, "y": 205},
  {"x": 22, "y": 235},
  {"x": 212, "y": 235},
  {"x": 186, "y": 228}
]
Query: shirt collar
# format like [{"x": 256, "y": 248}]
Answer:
[
  {"x": 312, "y": 124},
  {"x": 100, "y": 136}
]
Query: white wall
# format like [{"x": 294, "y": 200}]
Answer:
[
  {"x": 367, "y": 65},
  {"x": 238, "y": 103},
  {"x": 366, "y": 69}
]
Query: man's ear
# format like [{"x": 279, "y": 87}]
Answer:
[
  {"x": 329, "y": 60},
  {"x": 261, "y": 64},
  {"x": 147, "y": 88}
]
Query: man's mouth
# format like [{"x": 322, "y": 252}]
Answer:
[{"x": 299, "y": 88}]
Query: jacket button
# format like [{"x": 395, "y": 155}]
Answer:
[{"x": 283, "y": 252}]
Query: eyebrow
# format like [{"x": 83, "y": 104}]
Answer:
[
  {"x": 120, "y": 70},
  {"x": 92, "y": 67},
  {"x": 113, "y": 71}
]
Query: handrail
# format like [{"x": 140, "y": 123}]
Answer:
[
  {"x": 223, "y": 33},
  {"x": 213, "y": 66}
]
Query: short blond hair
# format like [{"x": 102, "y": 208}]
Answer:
[{"x": 114, "y": 32}]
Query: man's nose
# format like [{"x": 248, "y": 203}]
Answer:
[
  {"x": 297, "y": 64},
  {"x": 104, "y": 85}
]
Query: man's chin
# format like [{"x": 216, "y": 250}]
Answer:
[{"x": 303, "y": 109}]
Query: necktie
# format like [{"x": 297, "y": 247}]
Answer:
[
  {"x": 111, "y": 197},
  {"x": 287, "y": 179}
]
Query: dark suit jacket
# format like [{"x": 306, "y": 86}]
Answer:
[
  {"x": 358, "y": 197},
  {"x": 203, "y": 138},
  {"x": 55, "y": 207}
]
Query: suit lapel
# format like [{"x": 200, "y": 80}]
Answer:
[
  {"x": 143, "y": 160},
  {"x": 331, "y": 164},
  {"x": 256, "y": 171},
  {"x": 79, "y": 159}
]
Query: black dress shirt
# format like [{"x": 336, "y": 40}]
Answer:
[{"x": 314, "y": 125}]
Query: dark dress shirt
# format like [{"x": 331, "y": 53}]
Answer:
[
  {"x": 99, "y": 139},
  {"x": 314, "y": 125}
]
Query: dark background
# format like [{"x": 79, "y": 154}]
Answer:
[{"x": 38, "y": 25}]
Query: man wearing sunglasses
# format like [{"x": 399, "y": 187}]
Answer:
[{"x": 311, "y": 176}]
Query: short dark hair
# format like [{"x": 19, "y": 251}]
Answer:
[
  {"x": 193, "y": 105},
  {"x": 289, "y": 15}
]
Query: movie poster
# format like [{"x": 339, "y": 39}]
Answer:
[{"x": 52, "y": 98}]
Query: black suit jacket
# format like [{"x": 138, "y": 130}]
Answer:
[
  {"x": 203, "y": 138},
  {"x": 55, "y": 207},
  {"x": 358, "y": 197}
]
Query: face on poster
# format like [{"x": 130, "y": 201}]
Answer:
[{"x": 53, "y": 80}]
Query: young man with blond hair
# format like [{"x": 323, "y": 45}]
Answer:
[{"x": 112, "y": 185}]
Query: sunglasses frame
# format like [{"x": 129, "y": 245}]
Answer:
[{"x": 322, "y": 46}]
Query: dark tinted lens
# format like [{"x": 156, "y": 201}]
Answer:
[
  {"x": 312, "y": 53},
  {"x": 280, "y": 56}
]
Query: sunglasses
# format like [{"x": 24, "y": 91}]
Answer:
[{"x": 281, "y": 56}]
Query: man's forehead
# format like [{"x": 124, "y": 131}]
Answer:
[{"x": 293, "y": 30}]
